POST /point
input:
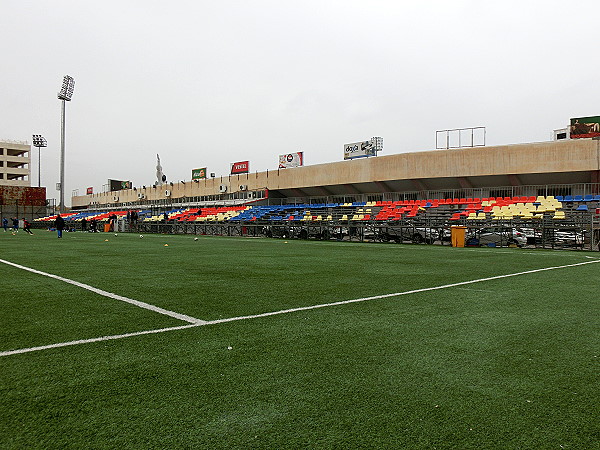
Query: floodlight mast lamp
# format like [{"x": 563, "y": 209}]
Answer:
[
  {"x": 65, "y": 94},
  {"x": 39, "y": 141}
]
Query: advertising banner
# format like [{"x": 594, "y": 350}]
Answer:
[
  {"x": 359, "y": 150},
  {"x": 585, "y": 127},
  {"x": 291, "y": 160},
  {"x": 240, "y": 167},
  {"x": 89, "y": 190},
  {"x": 119, "y": 185},
  {"x": 199, "y": 174}
]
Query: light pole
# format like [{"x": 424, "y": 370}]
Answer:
[
  {"x": 65, "y": 94},
  {"x": 39, "y": 141}
]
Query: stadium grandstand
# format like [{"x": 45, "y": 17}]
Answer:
[{"x": 543, "y": 194}]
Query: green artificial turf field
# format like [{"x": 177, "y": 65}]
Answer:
[{"x": 506, "y": 362}]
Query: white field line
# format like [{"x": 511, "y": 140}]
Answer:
[
  {"x": 396, "y": 294},
  {"x": 98, "y": 339},
  {"x": 147, "y": 306},
  {"x": 291, "y": 310}
]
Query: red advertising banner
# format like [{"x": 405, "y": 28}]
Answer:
[
  {"x": 90, "y": 190},
  {"x": 240, "y": 167}
]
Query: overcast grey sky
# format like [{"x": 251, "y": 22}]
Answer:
[{"x": 207, "y": 83}]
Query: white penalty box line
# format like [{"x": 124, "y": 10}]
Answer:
[
  {"x": 198, "y": 322},
  {"x": 131, "y": 301}
]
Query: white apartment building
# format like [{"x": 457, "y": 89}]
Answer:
[{"x": 15, "y": 163}]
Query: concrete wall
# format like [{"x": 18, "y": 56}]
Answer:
[
  {"x": 23, "y": 201},
  {"x": 572, "y": 156}
]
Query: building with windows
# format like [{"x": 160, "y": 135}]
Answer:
[
  {"x": 15, "y": 163},
  {"x": 17, "y": 197}
]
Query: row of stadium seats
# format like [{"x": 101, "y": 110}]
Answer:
[
  {"x": 578, "y": 198},
  {"x": 494, "y": 208}
]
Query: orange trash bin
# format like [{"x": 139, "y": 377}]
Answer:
[{"x": 457, "y": 235}]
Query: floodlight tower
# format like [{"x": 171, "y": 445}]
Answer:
[
  {"x": 65, "y": 94},
  {"x": 39, "y": 141}
]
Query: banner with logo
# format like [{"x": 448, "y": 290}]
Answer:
[
  {"x": 363, "y": 149},
  {"x": 240, "y": 167},
  {"x": 199, "y": 174},
  {"x": 359, "y": 150},
  {"x": 89, "y": 190},
  {"x": 119, "y": 185},
  {"x": 585, "y": 127},
  {"x": 291, "y": 160}
]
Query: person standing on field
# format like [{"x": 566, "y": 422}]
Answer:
[
  {"x": 26, "y": 226},
  {"x": 59, "y": 224},
  {"x": 15, "y": 222},
  {"x": 5, "y": 224}
]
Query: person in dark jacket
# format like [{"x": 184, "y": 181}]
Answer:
[
  {"x": 59, "y": 224},
  {"x": 26, "y": 226}
]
